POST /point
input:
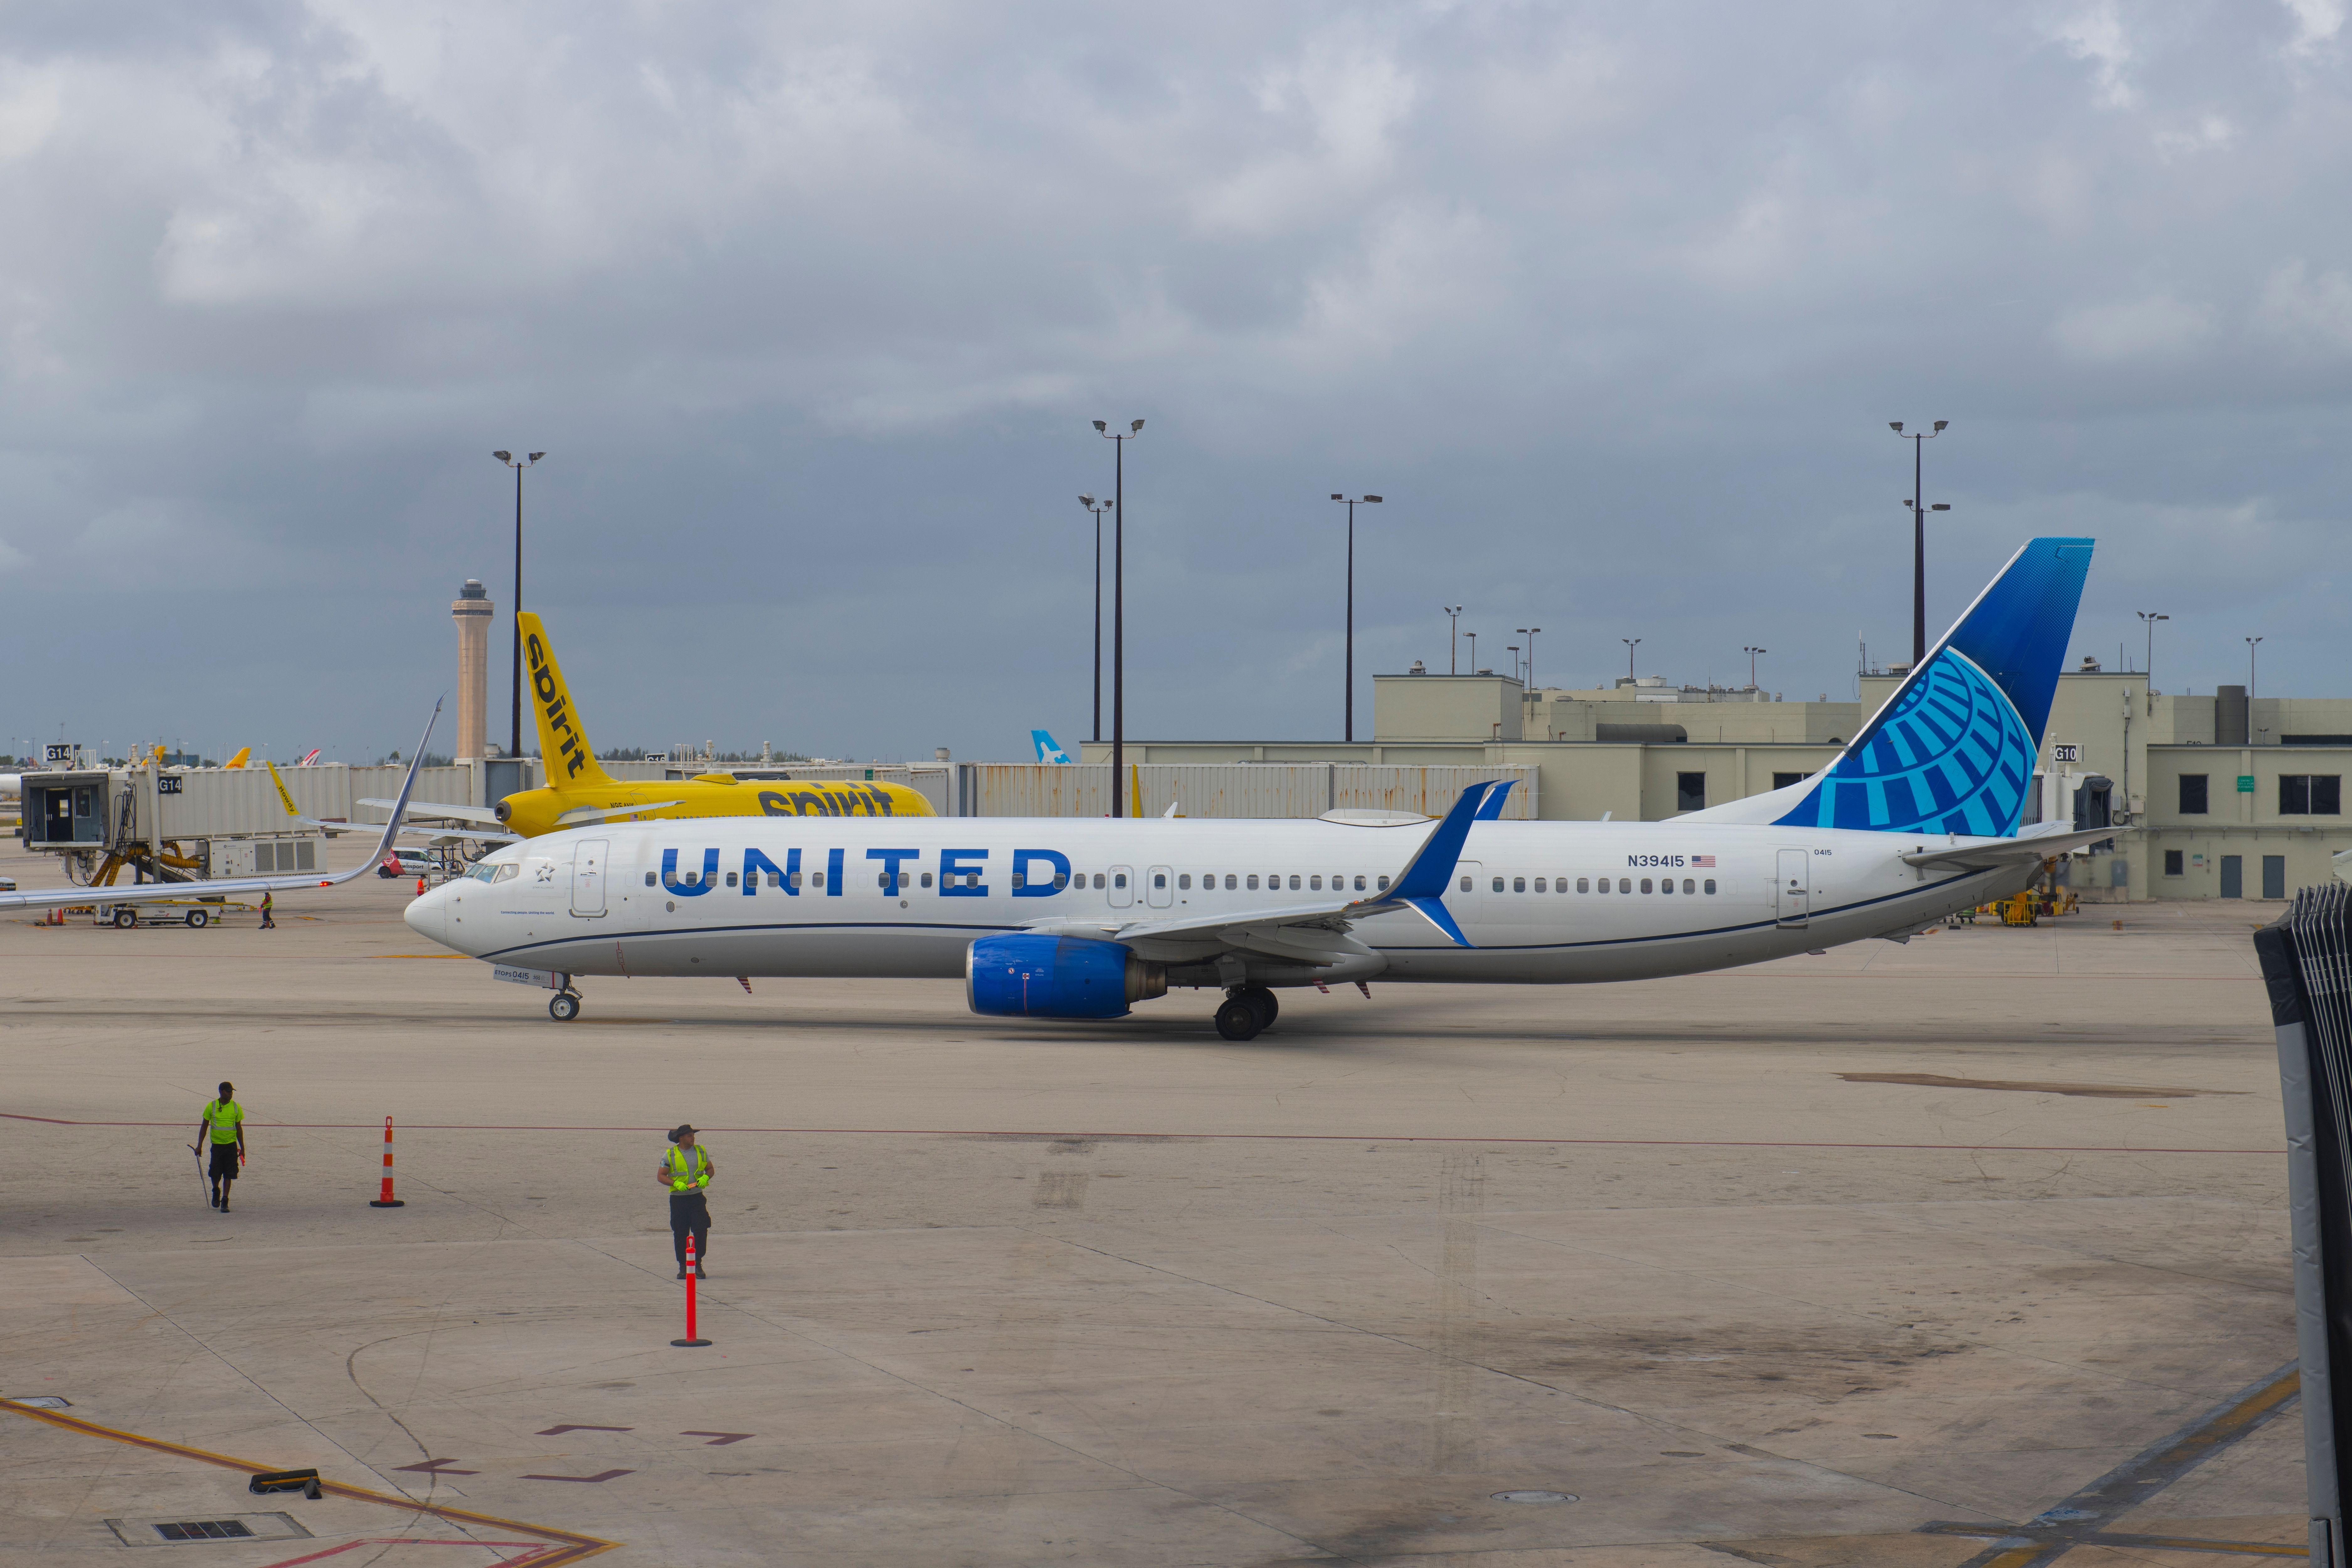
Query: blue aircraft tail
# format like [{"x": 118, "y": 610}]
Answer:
[
  {"x": 1047, "y": 752},
  {"x": 1954, "y": 750}
]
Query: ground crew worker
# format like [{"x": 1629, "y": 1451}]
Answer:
[
  {"x": 222, "y": 1124},
  {"x": 267, "y": 923},
  {"x": 686, "y": 1170}
]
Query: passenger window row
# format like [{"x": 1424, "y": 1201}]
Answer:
[{"x": 1591, "y": 884}]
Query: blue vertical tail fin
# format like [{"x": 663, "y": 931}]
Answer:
[
  {"x": 1047, "y": 752},
  {"x": 1953, "y": 751}
]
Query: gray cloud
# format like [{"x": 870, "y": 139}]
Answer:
[{"x": 810, "y": 306}]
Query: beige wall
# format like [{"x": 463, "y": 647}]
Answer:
[{"x": 1445, "y": 706}]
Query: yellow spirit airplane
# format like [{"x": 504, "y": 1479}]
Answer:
[{"x": 578, "y": 793}]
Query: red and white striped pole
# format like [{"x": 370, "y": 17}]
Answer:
[
  {"x": 387, "y": 1201},
  {"x": 692, "y": 1274}
]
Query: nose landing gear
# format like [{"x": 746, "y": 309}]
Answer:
[
  {"x": 563, "y": 1006},
  {"x": 1246, "y": 1012}
]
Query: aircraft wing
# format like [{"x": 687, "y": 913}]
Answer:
[
  {"x": 442, "y": 833},
  {"x": 438, "y": 812},
  {"x": 151, "y": 891},
  {"x": 1993, "y": 854},
  {"x": 585, "y": 813},
  {"x": 1311, "y": 932}
]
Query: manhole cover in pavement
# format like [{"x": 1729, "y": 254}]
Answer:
[{"x": 1533, "y": 1497}]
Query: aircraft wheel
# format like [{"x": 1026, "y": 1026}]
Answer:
[
  {"x": 1237, "y": 1020},
  {"x": 1261, "y": 1002},
  {"x": 125, "y": 917},
  {"x": 199, "y": 918},
  {"x": 563, "y": 1007}
]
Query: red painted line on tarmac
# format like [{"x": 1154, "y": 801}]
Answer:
[
  {"x": 535, "y": 1550},
  {"x": 1199, "y": 1137}
]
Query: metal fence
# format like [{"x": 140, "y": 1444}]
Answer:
[{"x": 1229, "y": 789}]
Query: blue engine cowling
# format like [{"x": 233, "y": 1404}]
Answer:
[{"x": 1057, "y": 977}]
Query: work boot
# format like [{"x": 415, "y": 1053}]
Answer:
[{"x": 681, "y": 1273}]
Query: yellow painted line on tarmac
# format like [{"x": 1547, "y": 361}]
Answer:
[{"x": 572, "y": 1547}]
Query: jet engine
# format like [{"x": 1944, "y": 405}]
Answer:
[{"x": 1032, "y": 976}]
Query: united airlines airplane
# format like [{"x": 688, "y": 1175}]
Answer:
[{"x": 1062, "y": 918}]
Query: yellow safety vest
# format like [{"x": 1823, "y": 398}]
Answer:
[
  {"x": 689, "y": 1175},
  {"x": 224, "y": 1117}
]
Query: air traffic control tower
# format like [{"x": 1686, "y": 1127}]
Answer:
[{"x": 473, "y": 612}]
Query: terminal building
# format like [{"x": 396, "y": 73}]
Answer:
[{"x": 2211, "y": 796}]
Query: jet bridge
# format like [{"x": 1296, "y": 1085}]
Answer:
[{"x": 164, "y": 825}]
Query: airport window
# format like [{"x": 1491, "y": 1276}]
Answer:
[
  {"x": 1498, "y": 884},
  {"x": 1646, "y": 884},
  {"x": 1518, "y": 884},
  {"x": 1018, "y": 880},
  {"x": 1690, "y": 792},
  {"x": 1710, "y": 884},
  {"x": 817, "y": 879},
  {"x": 1666, "y": 884},
  {"x": 1625, "y": 885},
  {"x": 1360, "y": 884},
  {"x": 1098, "y": 878},
  {"x": 649, "y": 879},
  {"x": 1294, "y": 884},
  {"x": 1583, "y": 884},
  {"x": 1384, "y": 884},
  {"x": 2311, "y": 795},
  {"x": 1185, "y": 881},
  {"x": 1253, "y": 882},
  {"x": 1159, "y": 878},
  {"x": 1314, "y": 884},
  {"x": 692, "y": 878},
  {"x": 2172, "y": 862},
  {"x": 731, "y": 879},
  {"x": 927, "y": 879},
  {"x": 1689, "y": 886},
  {"x": 796, "y": 878},
  {"x": 1061, "y": 880},
  {"x": 2192, "y": 795},
  {"x": 1119, "y": 880},
  {"x": 1229, "y": 882},
  {"x": 774, "y": 880},
  {"x": 1539, "y": 885},
  {"x": 1603, "y": 888},
  {"x": 1782, "y": 781}
]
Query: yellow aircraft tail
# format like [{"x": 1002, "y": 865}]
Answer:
[
  {"x": 285, "y": 795},
  {"x": 564, "y": 756},
  {"x": 239, "y": 761}
]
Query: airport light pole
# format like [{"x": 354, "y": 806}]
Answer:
[
  {"x": 1453, "y": 635},
  {"x": 1919, "y": 539},
  {"x": 1474, "y": 651},
  {"x": 1512, "y": 649},
  {"x": 1350, "y": 677},
  {"x": 1118, "y": 610},
  {"x": 1097, "y": 508},
  {"x": 514, "y": 744},
  {"x": 1529, "y": 632},
  {"x": 2149, "y": 618},
  {"x": 1631, "y": 644},
  {"x": 1752, "y": 653},
  {"x": 2249, "y": 670}
]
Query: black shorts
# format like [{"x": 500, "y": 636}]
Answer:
[{"x": 224, "y": 1162}]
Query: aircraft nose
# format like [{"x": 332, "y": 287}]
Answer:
[{"x": 428, "y": 917}]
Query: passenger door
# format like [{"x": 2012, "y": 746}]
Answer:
[
  {"x": 588, "y": 877},
  {"x": 1159, "y": 888},
  {"x": 1791, "y": 890},
  {"x": 2274, "y": 876},
  {"x": 2233, "y": 876},
  {"x": 1122, "y": 886}
]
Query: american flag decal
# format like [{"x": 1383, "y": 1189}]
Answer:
[{"x": 1706, "y": 860}]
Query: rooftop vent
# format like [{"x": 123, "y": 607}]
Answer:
[{"x": 1416, "y": 668}]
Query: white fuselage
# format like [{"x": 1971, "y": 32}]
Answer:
[{"x": 596, "y": 900}]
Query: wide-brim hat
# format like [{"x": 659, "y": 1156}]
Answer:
[{"x": 683, "y": 1129}]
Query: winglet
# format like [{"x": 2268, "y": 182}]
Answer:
[
  {"x": 1438, "y": 915},
  {"x": 1426, "y": 875},
  {"x": 285, "y": 795},
  {"x": 399, "y": 807},
  {"x": 1493, "y": 810}
]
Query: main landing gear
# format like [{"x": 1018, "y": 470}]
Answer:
[
  {"x": 563, "y": 1006},
  {"x": 1246, "y": 1011}
]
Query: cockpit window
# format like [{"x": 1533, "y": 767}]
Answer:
[{"x": 488, "y": 873}]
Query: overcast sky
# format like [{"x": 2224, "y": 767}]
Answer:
[{"x": 812, "y": 307}]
